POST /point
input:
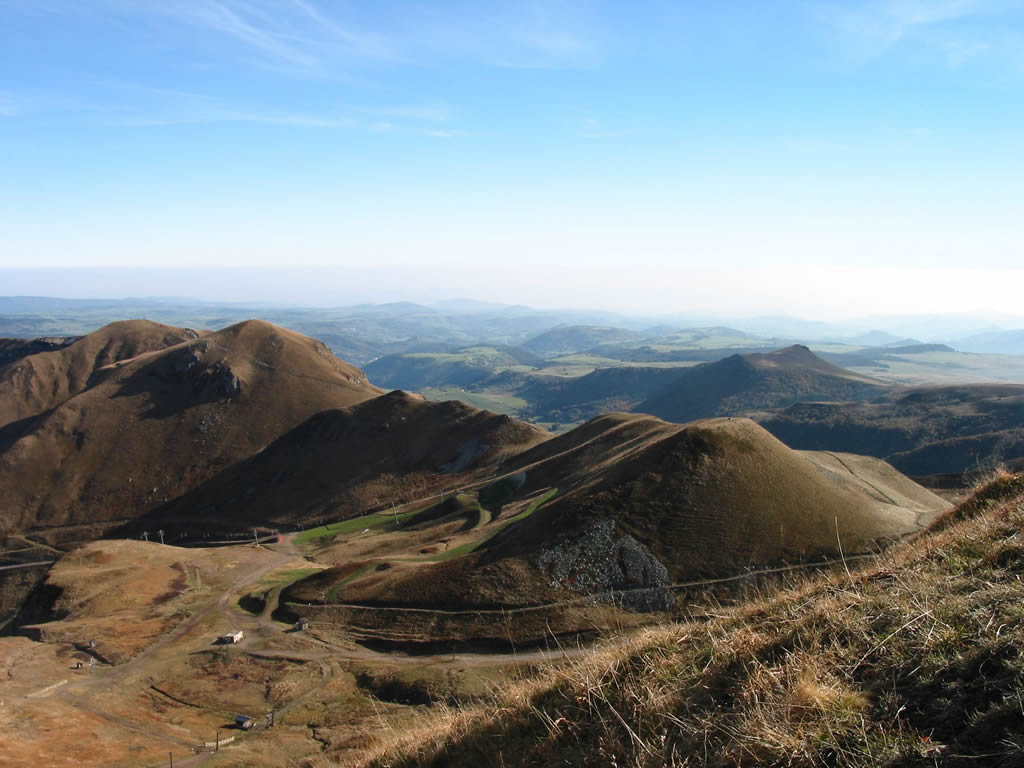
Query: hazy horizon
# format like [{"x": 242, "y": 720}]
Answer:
[
  {"x": 281, "y": 290},
  {"x": 829, "y": 160}
]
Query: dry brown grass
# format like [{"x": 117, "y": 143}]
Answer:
[{"x": 914, "y": 659}]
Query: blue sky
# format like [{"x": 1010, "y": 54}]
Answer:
[{"x": 821, "y": 158}]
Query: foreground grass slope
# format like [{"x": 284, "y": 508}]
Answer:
[{"x": 913, "y": 660}]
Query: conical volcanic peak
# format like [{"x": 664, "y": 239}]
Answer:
[
  {"x": 629, "y": 504},
  {"x": 716, "y": 495},
  {"x": 755, "y": 381}
]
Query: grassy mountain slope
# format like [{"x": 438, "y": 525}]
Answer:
[
  {"x": 914, "y": 659},
  {"x": 629, "y": 502},
  {"x": 148, "y": 428},
  {"x": 713, "y": 496},
  {"x": 340, "y": 463},
  {"x": 44, "y": 380},
  {"x": 760, "y": 380}
]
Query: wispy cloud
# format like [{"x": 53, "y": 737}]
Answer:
[
  {"x": 362, "y": 60},
  {"x": 594, "y": 128},
  {"x": 447, "y": 134},
  {"x": 520, "y": 35},
  {"x": 226, "y": 116},
  {"x": 250, "y": 28},
  {"x": 315, "y": 37},
  {"x": 361, "y": 41},
  {"x": 958, "y": 52},
  {"x": 946, "y": 26},
  {"x": 152, "y": 106},
  {"x": 428, "y": 114},
  {"x": 294, "y": 36}
]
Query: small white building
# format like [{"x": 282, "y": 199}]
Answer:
[{"x": 232, "y": 637}]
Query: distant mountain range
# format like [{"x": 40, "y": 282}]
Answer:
[
  {"x": 359, "y": 333},
  {"x": 994, "y": 342}
]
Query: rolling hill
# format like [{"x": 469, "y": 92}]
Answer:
[
  {"x": 757, "y": 381},
  {"x": 576, "y": 399},
  {"x": 571, "y": 339},
  {"x": 116, "y": 434},
  {"x": 921, "y": 431},
  {"x": 433, "y": 367}
]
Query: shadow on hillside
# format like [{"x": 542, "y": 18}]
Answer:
[
  {"x": 180, "y": 380},
  {"x": 12, "y": 432}
]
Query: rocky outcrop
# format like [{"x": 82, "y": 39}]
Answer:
[
  {"x": 207, "y": 382},
  {"x": 620, "y": 568}
]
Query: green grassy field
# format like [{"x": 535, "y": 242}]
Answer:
[
  {"x": 946, "y": 368},
  {"x": 488, "y": 399},
  {"x": 378, "y": 521},
  {"x": 354, "y": 525},
  {"x": 335, "y": 590},
  {"x": 582, "y": 364},
  {"x": 472, "y": 546},
  {"x": 280, "y": 578}
]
